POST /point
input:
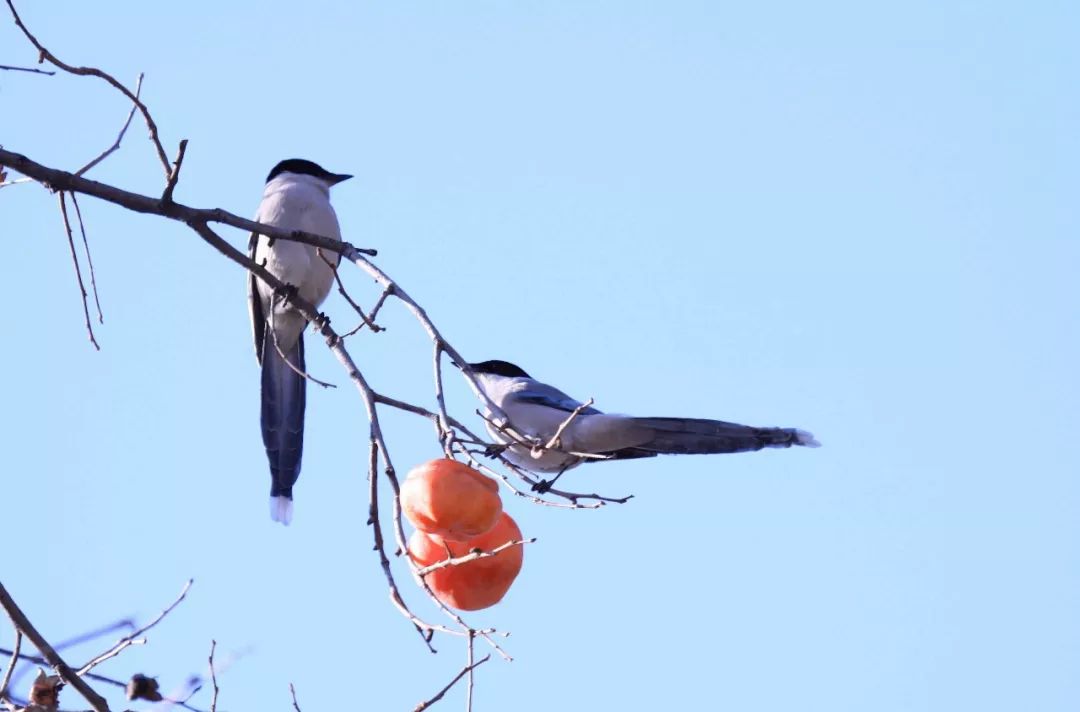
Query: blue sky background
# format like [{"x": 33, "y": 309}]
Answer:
[{"x": 853, "y": 218}]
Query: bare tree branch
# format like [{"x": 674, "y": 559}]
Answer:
[
  {"x": 62, "y": 180},
  {"x": 24, "y": 626},
  {"x": 46, "y": 55}
]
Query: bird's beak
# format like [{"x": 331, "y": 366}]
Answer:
[{"x": 338, "y": 178}]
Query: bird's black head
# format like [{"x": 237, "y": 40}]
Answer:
[
  {"x": 306, "y": 168},
  {"x": 499, "y": 368}
]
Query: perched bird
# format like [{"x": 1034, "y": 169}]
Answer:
[
  {"x": 537, "y": 410},
  {"x": 297, "y": 197}
]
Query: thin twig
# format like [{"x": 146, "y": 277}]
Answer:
[
  {"x": 442, "y": 423},
  {"x": 277, "y": 347},
  {"x": 174, "y": 174},
  {"x": 470, "y": 666},
  {"x": 364, "y": 320},
  {"x": 554, "y": 442},
  {"x": 292, "y": 691},
  {"x": 133, "y": 638},
  {"x": 26, "y": 69},
  {"x": 213, "y": 677},
  {"x": 78, "y": 270},
  {"x": 23, "y": 625},
  {"x": 472, "y": 556},
  {"x": 89, "y": 259},
  {"x": 119, "y": 137},
  {"x": 10, "y": 669},
  {"x": 369, "y": 319},
  {"x": 439, "y": 695}
]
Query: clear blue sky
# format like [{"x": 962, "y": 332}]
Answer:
[{"x": 855, "y": 219}]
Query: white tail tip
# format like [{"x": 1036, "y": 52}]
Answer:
[
  {"x": 281, "y": 510},
  {"x": 806, "y": 439}
]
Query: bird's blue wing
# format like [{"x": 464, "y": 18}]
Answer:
[{"x": 541, "y": 394}]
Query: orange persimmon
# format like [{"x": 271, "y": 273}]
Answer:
[
  {"x": 450, "y": 500},
  {"x": 474, "y": 584}
]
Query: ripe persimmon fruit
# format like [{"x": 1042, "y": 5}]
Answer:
[
  {"x": 450, "y": 500},
  {"x": 474, "y": 584}
]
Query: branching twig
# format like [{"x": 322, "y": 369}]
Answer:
[
  {"x": 439, "y": 695},
  {"x": 44, "y": 54},
  {"x": 78, "y": 270},
  {"x": 174, "y": 174},
  {"x": 369, "y": 319},
  {"x": 364, "y": 319},
  {"x": 133, "y": 638},
  {"x": 119, "y": 137},
  {"x": 89, "y": 259},
  {"x": 213, "y": 677}
]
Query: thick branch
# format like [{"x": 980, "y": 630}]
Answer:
[{"x": 62, "y": 180}]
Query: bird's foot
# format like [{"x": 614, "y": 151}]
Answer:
[
  {"x": 322, "y": 321},
  {"x": 286, "y": 294},
  {"x": 544, "y": 486},
  {"x": 493, "y": 451}
]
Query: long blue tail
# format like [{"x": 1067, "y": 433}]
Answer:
[
  {"x": 696, "y": 436},
  {"x": 284, "y": 394}
]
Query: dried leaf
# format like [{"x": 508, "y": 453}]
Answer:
[
  {"x": 45, "y": 692},
  {"x": 141, "y": 687}
]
